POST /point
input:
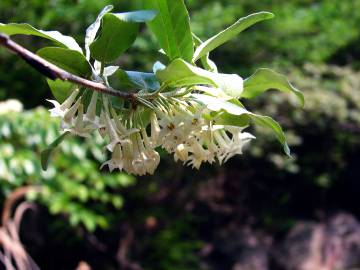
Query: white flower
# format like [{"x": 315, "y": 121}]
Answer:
[
  {"x": 60, "y": 110},
  {"x": 146, "y": 159},
  {"x": 70, "y": 114},
  {"x": 91, "y": 109},
  {"x": 240, "y": 139},
  {"x": 10, "y": 105},
  {"x": 116, "y": 161},
  {"x": 79, "y": 127},
  {"x": 181, "y": 152}
]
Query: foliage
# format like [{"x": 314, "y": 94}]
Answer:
[
  {"x": 73, "y": 185},
  {"x": 332, "y": 112},
  {"x": 182, "y": 111},
  {"x": 266, "y": 188}
]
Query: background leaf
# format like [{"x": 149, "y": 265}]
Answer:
[
  {"x": 229, "y": 33},
  {"x": 26, "y": 29},
  {"x": 46, "y": 154},
  {"x": 264, "y": 79},
  {"x": 172, "y": 28}
]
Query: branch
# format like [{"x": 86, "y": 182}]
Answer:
[{"x": 53, "y": 72}]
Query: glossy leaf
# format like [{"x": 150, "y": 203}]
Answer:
[
  {"x": 231, "y": 84},
  {"x": 116, "y": 37},
  {"x": 118, "y": 33},
  {"x": 206, "y": 62},
  {"x": 69, "y": 60},
  {"x": 92, "y": 30},
  {"x": 136, "y": 80},
  {"x": 264, "y": 79},
  {"x": 137, "y": 16},
  {"x": 180, "y": 73},
  {"x": 26, "y": 29},
  {"x": 268, "y": 122},
  {"x": 230, "y": 33},
  {"x": 158, "y": 66},
  {"x": 60, "y": 89},
  {"x": 172, "y": 28},
  {"x": 225, "y": 118}
]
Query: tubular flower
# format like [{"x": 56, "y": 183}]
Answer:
[{"x": 178, "y": 127}]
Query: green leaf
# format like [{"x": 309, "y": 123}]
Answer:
[
  {"x": 217, "y": 105},
  {"x": 116, "y": 37},
  {"x": 46, "y": 154},
  {"x": 92, "y": 30},
  {"x": 268, "y": 122},
  {"x": 225, "y": 118},
  {"x": 69, "y": 60},
  {"x": 142, "y": 80},
  {"x": 172, "y": 28},
  {"x": 206, "y": 62},
  {"x": 264, "y": 79},
  {"x": 118, "y": 33},
  {"x": 180, "y": 73},
  {"x": 229, "y": 33},
  {"x": 136, "y": 80},
  {"x": 60, "y": 89},
  {"x": 158, "y": 66},
  {"x": 231, "y": 84},
  {"x": 26, "y": 29},
  {"x": 137, "y": 16}
]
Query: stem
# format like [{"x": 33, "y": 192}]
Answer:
[
  {"x": 53, "y": 72},
  {"x": 102, "y": 67}
]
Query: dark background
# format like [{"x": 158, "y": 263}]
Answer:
[{"x": 259, "y": 210}]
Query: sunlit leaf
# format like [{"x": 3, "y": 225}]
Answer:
[
  {"x": 26, "y": 29},
  {"x": 118, "y": 33},
  {"x": 172, "y": 28},
  {"x": 264, "y": 79},
  {"x": 230, "y": 33},
  {"x": 92, "y": 30},
  {"x": 217, "y": 105},
  {"x": 180, "y": 73},
  {"x": 207, "y": 63}
]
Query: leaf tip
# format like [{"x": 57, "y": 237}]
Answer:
[
  {"x": 269, "y": 15},
  {"x": 45, "y": 158},
  {"x": 287, "y": 150}
]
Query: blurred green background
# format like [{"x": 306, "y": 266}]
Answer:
[{"x": 180, "y": 218}]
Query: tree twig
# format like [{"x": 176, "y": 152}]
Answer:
[{"x": 53, "y": 72}]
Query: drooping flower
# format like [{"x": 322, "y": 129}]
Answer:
[{"x": 60, "y": 110}]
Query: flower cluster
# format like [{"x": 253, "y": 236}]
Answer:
[{"x": 176, "y": 125}]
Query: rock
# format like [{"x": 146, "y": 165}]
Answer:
[{"x": 334, "y": 244}]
